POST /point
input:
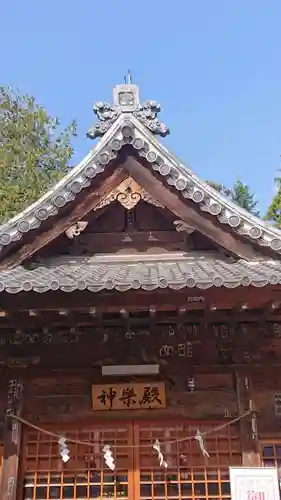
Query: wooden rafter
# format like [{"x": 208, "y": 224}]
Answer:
[
  {"x": 186, "y": 212},
  {"x": 87, "y": 204}
]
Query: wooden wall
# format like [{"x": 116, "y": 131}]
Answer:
[
  {"x": 208, "y": 374},
  {"x": 60, "y": 365},
  {"x": 67, "y": 398}
]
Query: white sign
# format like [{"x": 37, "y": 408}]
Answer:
[{"x": 254, "y": 483}]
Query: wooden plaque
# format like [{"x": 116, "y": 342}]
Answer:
[{"x": 129, "y": 396}]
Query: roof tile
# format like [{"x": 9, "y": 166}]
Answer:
[{"x": 175, "y": 274}]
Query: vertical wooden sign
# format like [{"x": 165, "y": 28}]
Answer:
[
  {"x": 12, "y": 439},
  {"x": 249, "y": 443}
]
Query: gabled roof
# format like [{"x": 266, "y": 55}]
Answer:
[{"x": 128, "y": 123}]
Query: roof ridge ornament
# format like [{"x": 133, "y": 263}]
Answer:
[
  {"x": 128, "y": 78},
  {"x": 107, "y": 115},
  {"x": 126, "y": 100}
]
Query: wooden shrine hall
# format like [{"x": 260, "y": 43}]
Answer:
[{"x": 140, "y": 327}]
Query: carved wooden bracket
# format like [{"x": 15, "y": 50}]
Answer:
[
  {"x": 182, "y": 226},
  {"x": 76, "y": 229},
  {"x": 128, "y": 194}
]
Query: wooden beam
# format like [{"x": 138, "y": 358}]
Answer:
[
  {"x": 53, "y": 320},
  {"x": 222, "y": 298},
  {"x": 34, "y": 371},
  {"x": 99, "y": 241},
  {"x": 12, "y": 438},
  {"x": 187, "y": 212},
  {"x": 249, "y": 443},
  {"x": 88, "y": 203}
]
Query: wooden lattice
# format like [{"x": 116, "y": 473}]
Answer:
[
  {"x": 85, "y": 475},
  {"x": 271, "y": 454},
  {"x": 138, "y": 474},
  {"x": 189, "y": 474}
]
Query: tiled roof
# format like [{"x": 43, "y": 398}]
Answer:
[
  {"x": 98, "y": 274},
  {"x": 167, "y": 165}
]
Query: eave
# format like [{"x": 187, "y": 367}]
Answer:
[
  {"x": 174, "y": 173},
  {"x": 132, "y": 272}
]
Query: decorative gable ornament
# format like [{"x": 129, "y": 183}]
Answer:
[
  {"x": 182, "y": 226},
  {"x": 128, "y": 194},
  {"x": 127, "y": 122},
  {"x": 76, "y": 229},
  {"x": 126, "y": 100}
]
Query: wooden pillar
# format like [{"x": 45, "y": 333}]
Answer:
[
  {"x": 8, "y": 490},
  {"x": 248, "y": 431}
]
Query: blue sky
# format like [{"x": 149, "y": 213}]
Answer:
[{"x": 214, "y": 66}]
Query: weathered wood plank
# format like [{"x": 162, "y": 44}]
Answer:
[
  {"x": 8, "y": 489},
  {"x": 188, "y": 213},
  {"x": 222, "y": 298},
  {"x": 249, "y": 442},
  {"x": 88, "y": 203},
  {"x": 67, "y": 397}
]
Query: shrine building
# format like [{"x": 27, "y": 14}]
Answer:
[{"x": 140, "y": 327}]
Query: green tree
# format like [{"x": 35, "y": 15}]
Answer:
[
  {"x": 274, "y": 210},
  {"x": 220, "y": 188},
  {"x": 34, "y": 151},
  {"x": 240, "y": 194}
]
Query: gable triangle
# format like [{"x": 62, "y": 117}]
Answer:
[{"x": 127, "y": 133}]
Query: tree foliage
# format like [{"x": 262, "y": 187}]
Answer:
[
  {"x": 240, "y": 194},
  {"x": 274, "y": 210},
  {"x": 34, "y": 151},
  {"x": 35, "y": 154},
  {"x": 220, "y": 188}
]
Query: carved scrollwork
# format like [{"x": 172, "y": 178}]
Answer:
[
  {"x": 76, "y": 229},
  {"x": 147, "y": 114},
  {"x": 106, "y": 114},
  {"x": 182, "y": 226},
  {"x": 128, "y": 199},
  {"x": 128, "y": 194}
]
